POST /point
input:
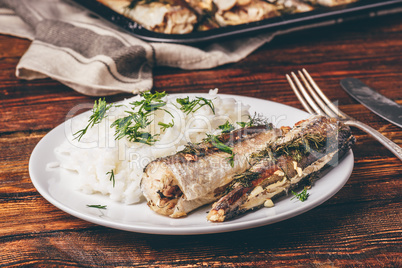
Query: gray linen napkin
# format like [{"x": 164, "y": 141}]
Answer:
[{"x": 84, "y": 52}]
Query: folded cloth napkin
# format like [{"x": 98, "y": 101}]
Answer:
[{"x": 92, "y": 56}]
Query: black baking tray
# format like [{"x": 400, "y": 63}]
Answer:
[{"x": 357, "y": 10}]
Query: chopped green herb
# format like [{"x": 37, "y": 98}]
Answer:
[
  {"x": 231, "y": 159},
  {"x": 97, "y": 206},
  {"x": 302, "y": 196},
  {"x": 218, "y": 144},
  {"x": 132, "y": 126},
  {"x": 188, "y": 106},
  {"x": 111, "y": 173},
  {"x": 223, "y": 147},
  {"x": 256, "y": 120},
  {"x": 151, "y": 101},
  {"x": 301, "y": 146},
  {"x": 165, "y": 126},
  {"x": 227, "y": 127},
  {"x": 98, "y": 113}
]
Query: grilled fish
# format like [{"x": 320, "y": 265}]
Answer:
[
  {"x": 294, "y": 159},
  {"x": 178, "y": 184}
]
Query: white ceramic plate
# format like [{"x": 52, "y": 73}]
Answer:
[{"x": 54, "y": 187}]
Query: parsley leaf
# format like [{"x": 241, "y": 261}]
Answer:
[
  {"x": 302, "y": 196},
  {"x": 188, "y": 106}
]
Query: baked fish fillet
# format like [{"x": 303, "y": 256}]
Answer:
[
  {"x": 178, "y": 184},
  {"x": 296, "y": 158},
  {"x": 164, "y": 16},
  {"x": 331, "y": 3}
]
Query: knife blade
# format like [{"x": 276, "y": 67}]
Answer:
[{"x": 374, "y": 101}]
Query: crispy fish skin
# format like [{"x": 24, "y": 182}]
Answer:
[
  {"x": 178, "y": 184},
  {"x": 294, "y": 159}
]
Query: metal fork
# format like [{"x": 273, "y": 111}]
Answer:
[{"x": 315, "y": 102}]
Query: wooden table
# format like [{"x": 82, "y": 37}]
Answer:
[{"x": 359, "y": 227}]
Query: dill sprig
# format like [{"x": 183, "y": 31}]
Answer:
[
  {"x": 164, "y": 126},
  {"x": 301, "y": 146},
  {"x": 133, "y": 125},
  {"x": 255, "y": 120},
  {"x": 97, "y": 206},
  {"x": 192, "y": 106},
  {"x": 98, "y": 113},
  {"x": 111, "y": 173},
  {"x": 302, "y": 196},
  {"x": 227, "y": 127},
  {"x": 221, "y": 146}
]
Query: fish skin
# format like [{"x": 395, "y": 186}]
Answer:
[
  {"x": 201, "y": 171},
  {"x": 275, "y": 175}
]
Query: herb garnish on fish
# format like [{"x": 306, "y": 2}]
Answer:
[
  {"x": 227, "y": 127},
  {"x": 221, "y": 146},
  {"x": 301, "y": 146},
  {"x": 244, "y": 179},
  {"x": 302, "y": 196}
]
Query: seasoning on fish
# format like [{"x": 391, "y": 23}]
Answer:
[
  {"x": 295, "y": 159},
  {"x": 177, "y": 184}
]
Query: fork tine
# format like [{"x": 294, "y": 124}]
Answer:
[
  {"x": 318, "y": 100},
  {"x": 307, "y": 97},
  {"x": 300, "y": 97},
  {"x": 323, "y": 97}
]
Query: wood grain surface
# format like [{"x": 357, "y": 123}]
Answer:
[{"x": 359, "y": 227}]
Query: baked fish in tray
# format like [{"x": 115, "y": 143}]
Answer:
[
  {"x": 264, "y": 163},
  {"x": 197, "y": 21}
]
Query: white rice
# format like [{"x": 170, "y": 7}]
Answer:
[{"x": 98, "y": 153}]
